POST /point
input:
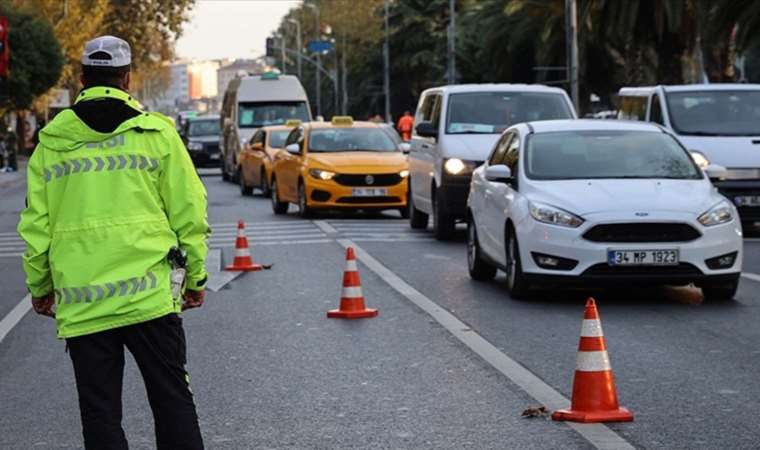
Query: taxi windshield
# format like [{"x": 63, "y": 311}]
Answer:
[
  {"x": 493, "y": 112},
  {"x": 350, "y": 140},
  {"x": 277, "y": 138}
]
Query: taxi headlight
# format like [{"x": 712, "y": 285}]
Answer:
[
  {"x": 700, "y": 159},
  {"x": 320, "y": 174},
  {"x": 455, "y": 166},
  {"x": 554, "y": 216},
  {"x": 195, "y": 146},
  {"x": 718, "y": 214},
  {"x": 404, "y": 173}
]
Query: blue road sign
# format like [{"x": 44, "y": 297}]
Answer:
[{"x": 319, "y": 46}]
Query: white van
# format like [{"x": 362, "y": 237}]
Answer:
[
  {"x": 456, "y": 128},
  {"x": 718, "y": 123},
  {"x": 255, "y": 101}
]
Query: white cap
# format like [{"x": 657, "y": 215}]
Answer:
[{"x": 115, "y": 52}]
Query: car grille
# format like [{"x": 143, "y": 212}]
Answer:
[
  {"x": 368, "y": 200},
  {"x": 642, "y": 232},
  {"x": 604, "y": 270},
  {"x": 385, "y": 179},
  {"x": 211, "y": 148}
]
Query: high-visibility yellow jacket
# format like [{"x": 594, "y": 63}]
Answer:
[{"x": 103, "y": 210}]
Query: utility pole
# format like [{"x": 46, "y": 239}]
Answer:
[
  {"x": 386, "y": 67},
  {"x": 282, "y": 53},
  {"x": 452, "y": 72},
  {"x": 344, "y": 108},
  {"x": 298, "y": 44},
  {"x": 571, "y": 42}
]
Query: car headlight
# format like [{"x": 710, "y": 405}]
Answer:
[
  {"x": 718, "y": 214},
  {"x": 455, "y": 166},
  {"x": 404, "y": 173},
  {"x": 195, "y": 146},
  {"x": 321, "y": 174},
  {"x": 554, "y": 216},
  {"x": 700, "y": 159}
]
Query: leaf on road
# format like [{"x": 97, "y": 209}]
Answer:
[{"x": 535, "y": 411}]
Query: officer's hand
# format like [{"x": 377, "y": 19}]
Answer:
[
  {"x": 193, "y": 299},
  {"x": 44, "y": 305}
]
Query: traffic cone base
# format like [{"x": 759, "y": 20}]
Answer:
[
  {"x": 594, "y": 394},
  {"x": 244, "y": 268},
  {"x": 351, "y": 299}
]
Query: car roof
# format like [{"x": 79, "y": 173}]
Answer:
[
  {"x": 644, "y": 91},
  {"x": 277, "y": 128},
  {"x": 356, "y": 124},
  {"x": 498, "y": 87},
  {"x": 549, "y": 126}
]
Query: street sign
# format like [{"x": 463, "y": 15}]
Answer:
[{"x": 319, "y": 46}]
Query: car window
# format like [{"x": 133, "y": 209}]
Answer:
[
  {"x": 295, "y": 137},
  {"x": 632, "y": 108},
  {"x": 435, "y": 117},
  {"x": 512, "y": 154},
  {"x": 493, "y": 112},
  {"x": 258, "y": 138},
  {"x": 500, "y": 150},
  {"x": 607, "y": 154},
  {"x": 277, "y": 138},
  {"x": 425, "y": 112},
  {"x": 655, "y": 112},
  {"x": 203, "y": 128}
]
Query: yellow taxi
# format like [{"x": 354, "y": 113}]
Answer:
[
  {"x": 340, "y": 164},
  {"x": 256, "y": 157}
]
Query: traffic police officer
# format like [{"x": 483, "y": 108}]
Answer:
[{"x": 111, "y": 192}]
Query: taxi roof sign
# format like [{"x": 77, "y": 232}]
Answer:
[
  {"x": 270, "y": 76},
  {"x": 293, "y": 123},
  {"x": 344, "y": 121}
]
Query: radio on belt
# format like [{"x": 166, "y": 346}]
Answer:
[{"x": 177, "y": 259}]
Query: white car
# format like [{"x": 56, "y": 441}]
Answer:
[{"x": 596, "y": 202}]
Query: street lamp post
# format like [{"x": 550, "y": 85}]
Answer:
[
  {"x": 318, "y": 77},
  {"x": 452, "y": 72},
  {"x": 298, "y": 44},
  {"x": 386, "y": 68}
]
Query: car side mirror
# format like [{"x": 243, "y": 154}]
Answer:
[
  {"x": 715, "y": 172},
  {"x": 405, "y": 147},
  {"x": 258, "y": 146},
  {"x": 499, "y": 174},
  {"x": 293, "y": 149},
  {"x": 426, "y": 129}
]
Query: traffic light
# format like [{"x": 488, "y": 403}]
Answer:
[
  {"x": 4, "y": 49},
  {"x": 270, "y": 47}
]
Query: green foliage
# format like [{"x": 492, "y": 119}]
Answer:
[{"x": 36, "y": 60}]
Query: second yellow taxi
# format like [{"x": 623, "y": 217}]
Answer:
[
  {"x": 340, "y": 164},
  {"x": 255, "y": 165}
]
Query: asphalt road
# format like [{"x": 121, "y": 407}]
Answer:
[{"x": 270, "y": 371}]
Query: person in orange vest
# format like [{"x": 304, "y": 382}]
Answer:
[{"x": 405, "y": 125}]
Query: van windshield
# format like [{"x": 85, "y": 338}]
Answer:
[
  {"x": 715, "y": 113},
  {"x": 261, "y": 114},
  {"x": 493, "y": 112},
  {"x": 584, "y": 155}
]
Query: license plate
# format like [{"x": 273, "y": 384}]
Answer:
[
  {"x": 747, "y": 200},
  {"x": 370, "y": 192},
  {"x": 642, "y": 257},
  {"x": 214, "y": 156}
]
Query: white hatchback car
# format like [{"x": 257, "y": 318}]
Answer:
[{"x": 594, "y": 202}]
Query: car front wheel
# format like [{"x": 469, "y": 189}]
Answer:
[
  {"x": 265, "y": 190},
  {"x": 245, "y": 190},
  {"x": 443, "y": 224},
  {"x": 418, "y": 220},
  {"x": 479, "y": 269},
  {"x": 517, "y": 285},
  {"x": 278, "y": 207},
  {"x": 303, "y": 208}
]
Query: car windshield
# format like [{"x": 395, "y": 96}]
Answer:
[
  {"x": 277, "y": 138},
  {"x": 256, "y": 115},
  {"x": 493, "y": 112},
  {"x": 350, "y": 139},
  {"x": 581, "y": 155},
  {"x": 715, "y": 113},
  {"x": 203, "y": 128}
]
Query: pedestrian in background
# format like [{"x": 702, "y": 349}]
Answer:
[
  {"x": 113, "y": 206},
  {"x": 405, "y": 126},
  {"x": 11, "y": 145}
]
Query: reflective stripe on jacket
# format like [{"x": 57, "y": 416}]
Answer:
[{"x": 103, "y": 210}]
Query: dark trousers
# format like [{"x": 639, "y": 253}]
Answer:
[{"x": 158, "y": 347}]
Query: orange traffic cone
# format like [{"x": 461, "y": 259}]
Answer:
[
  {"x": 594, "y": 393},
  {"x": 351, "y": 299},
  {"x": 242, "y": 261}
]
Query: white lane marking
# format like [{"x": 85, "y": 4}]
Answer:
[
  {"x": 598, "y": 361},
  {"x": 11, "y": 239},
  {"x": 409, "y": 239},
  {"x": 369, "y": 222},
  {"x": 12, "y": 318},
  {"x": 9, "y": 234},
  {"x": 326, "y": 227},
  {"x": 16, "y": 248},
  {"x": 269, "y": 238},
  {"x": 751, "y": 276},
  {"x": 599, "y": 435},
  {"x": 259, "y": 244},
  {"x": 253, "y": 224},
  {"x": 250, "y": 234},
  {"x": 273, "y": 227},
  {"x": 10, "y": 255}
]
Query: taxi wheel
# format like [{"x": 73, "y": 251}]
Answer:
[
  {"x": 517, "y": 285},
  {"x": 245, "y": 190},
  {"x": 418, "y": 220},
  {"x": 303, "y": 208},
  {"x": 265, "y": 191},
  {"x": 278, "y": 207}
]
